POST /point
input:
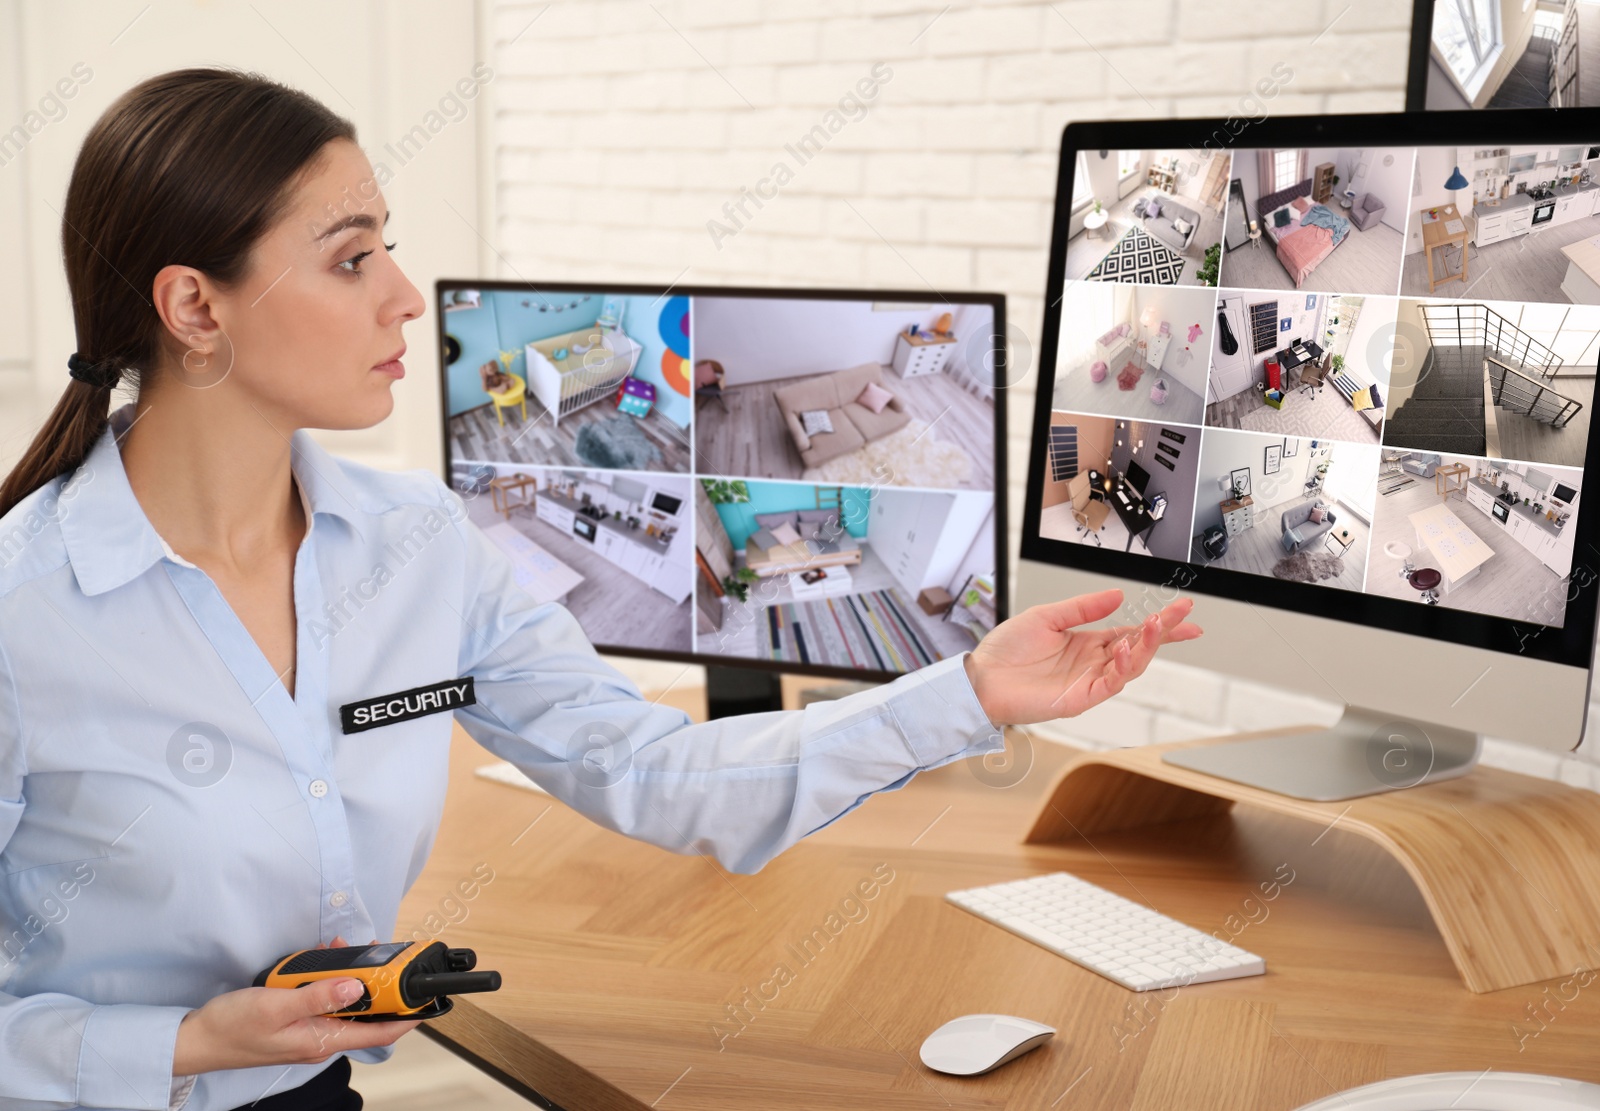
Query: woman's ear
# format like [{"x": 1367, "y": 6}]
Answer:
[{"x": 185, "y": 300}]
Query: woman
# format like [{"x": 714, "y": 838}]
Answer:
[{"x": 198, "y": 605}]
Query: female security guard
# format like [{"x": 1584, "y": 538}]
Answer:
[{"x": 194, "y": 574}]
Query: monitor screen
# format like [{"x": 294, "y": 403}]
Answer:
[
  {"x": 1137, "y": 478},
  {"x": 1359, "y": 365},
  {"x": 800, "y": 480}
]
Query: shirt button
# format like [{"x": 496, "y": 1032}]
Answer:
[
  {"x": 319, "y": 787},
  {"x": 337, "y": 898}
]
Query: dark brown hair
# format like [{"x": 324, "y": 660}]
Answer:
[{"x": 190, "y": 167}]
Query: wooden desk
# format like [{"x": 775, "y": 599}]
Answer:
[
  {"x": 619, "y": 959},
  {"x": 1435, "y": 235},
  {"x": 502, "y": 487},
  {"x": 1443, "y": 476}
]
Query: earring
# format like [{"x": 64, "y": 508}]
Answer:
[{"x": 197, "y": 363}]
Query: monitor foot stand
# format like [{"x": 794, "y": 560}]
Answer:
[
  {"x": 1508, "y": 865},
  {"x": 1364, "y": 753}
]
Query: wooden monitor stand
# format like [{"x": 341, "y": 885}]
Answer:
[{"x": 1508, "y": 865}]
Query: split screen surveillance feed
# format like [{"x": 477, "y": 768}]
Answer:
[
  {"x": 1308, "y": 364},
  {"x": 808, "y": 481}
]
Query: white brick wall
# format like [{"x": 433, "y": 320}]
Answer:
[{"x": 621, "y": 128}]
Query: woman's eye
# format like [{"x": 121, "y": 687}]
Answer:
[{"x": 353, "y": 263}]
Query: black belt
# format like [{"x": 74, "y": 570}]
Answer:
[{"x": 329, "y": 1090}]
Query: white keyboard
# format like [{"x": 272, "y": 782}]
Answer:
[{"x": 1105, "y": 933}]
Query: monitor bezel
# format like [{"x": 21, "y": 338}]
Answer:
[
  {"x": 995, "y": 301},
  {"x": 1572, "y": 644}
]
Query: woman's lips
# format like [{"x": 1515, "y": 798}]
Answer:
[{"x": 394, "y": 368}]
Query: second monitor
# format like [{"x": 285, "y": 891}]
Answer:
[{"x": 792, "y": 479}]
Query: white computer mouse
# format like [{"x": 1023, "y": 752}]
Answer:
[{"x": 974, "y": 1044}]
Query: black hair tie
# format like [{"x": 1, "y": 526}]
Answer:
[{"x": 103, "y": 375}]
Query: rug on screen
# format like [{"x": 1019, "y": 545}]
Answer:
[{"x": 875, "y": 631}]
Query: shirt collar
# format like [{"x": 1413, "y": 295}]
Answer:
[{"x": 109, "y": 539}]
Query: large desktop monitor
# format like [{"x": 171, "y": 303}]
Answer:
[
  {"x": 788, "y": 480},
  {"x": 1334, "y": 377}
]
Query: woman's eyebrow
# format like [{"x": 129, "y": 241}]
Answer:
[{"x": 359, "y": 220}]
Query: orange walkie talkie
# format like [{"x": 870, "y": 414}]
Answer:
[{"x": 403, "y": 980}]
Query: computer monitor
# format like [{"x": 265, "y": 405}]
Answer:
[
  {"x": 1359, "y": 353},
  {"x": 779, "y": 479},
  {"x": 1137, "y": 478}
]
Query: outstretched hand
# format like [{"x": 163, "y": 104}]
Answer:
[{"x": 1039, "y": 665}]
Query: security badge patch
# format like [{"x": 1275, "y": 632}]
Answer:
[{"x": 370, "y": 713}]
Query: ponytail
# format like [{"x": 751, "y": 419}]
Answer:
[{"x": 62, "y": 444}]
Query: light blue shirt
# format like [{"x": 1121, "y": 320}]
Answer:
[{"x": 172, "y": 820}]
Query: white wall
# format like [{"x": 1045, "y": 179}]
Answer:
[
  {"x": 1433, "y": 168},
  {"x": 1181, "y": 306},
  {"x": 1389, "y": 183},
  {"x": 1088, "y": 311},
  {"x": 979, "y": 557},
  {"x": 1248, "y": 174},
  {"x": 1191, "y": 184},
  {"x": 972, "y": 512},
  {"x": 1225, "y": 450},
  {"x": 1367, "y": 352},
  {"x": 17, "y": 96},
  {"x": 1103, "y": 177},
  {"x": 765, "y": 340},
  {"x": 1353, "y": 478},
  {"x": 1409, "y": 353}
]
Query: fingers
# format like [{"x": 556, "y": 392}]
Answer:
[
  {"x": 1188, "y": 630},
  {"x": 338, "y": 1035},
  {"x": 326, "y": 996},
  {"x": 1134, "y": 652},
  {"x": 1081, "y": 610},
  {"x": 1173, "y": 613},
  {"x": 1171, "y": 626}
]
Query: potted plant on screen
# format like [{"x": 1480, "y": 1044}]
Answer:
[{"x": 738, "y": 583}]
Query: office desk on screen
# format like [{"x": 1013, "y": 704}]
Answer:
[
  {"x": 1134, "y": 513},
  {"x": 621, "y": 961}
]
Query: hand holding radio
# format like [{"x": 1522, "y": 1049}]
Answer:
[{"x": 271, "y": 1026}]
